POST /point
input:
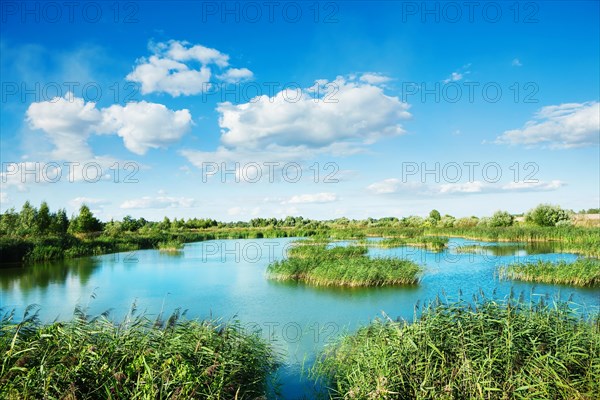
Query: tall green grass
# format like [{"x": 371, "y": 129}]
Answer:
[
  {"x": 342, "y": 266},
  {"x": 487, "y": 350},
  {"x": 136, "y": 359},
  {"x": 428, "y": 242},
  {"x": 171, "y": 245},
  {"x": 585, "y": 241},
  {"x": 581, "y": 272}
]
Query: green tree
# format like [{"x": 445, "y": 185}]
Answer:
[
  {"x": 165, "y": 225},
  {"x": 547, "y": 215},
  {"x": 27, "y": 220},
  {"x": 60, "y": 222},
  {"x": 501, "y": 218},
  {"x": 9, "y": 222},
  {"x": 44, "y": 219},
  {"x": 435, "y": 214},
  {"x": 85, "y": 222}
]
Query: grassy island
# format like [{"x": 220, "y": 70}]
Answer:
[
  {"x": 320, "y": 265},
  {"x": 581, "y": 272}
]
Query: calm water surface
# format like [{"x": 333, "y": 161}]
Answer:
[{"x": 225, "y": 279}]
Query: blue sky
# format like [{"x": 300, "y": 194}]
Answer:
[{"x": 499, "y": 102}]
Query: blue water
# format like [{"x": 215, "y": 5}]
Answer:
[{"x": 225, "y": 279}]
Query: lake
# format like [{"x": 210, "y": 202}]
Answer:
[{"x": 224, "y": 279}]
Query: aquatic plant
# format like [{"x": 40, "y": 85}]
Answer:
[
  {"x": 581, "y": 272},
  {"x": 342, "y": 266},
  {"x": 93, "y": 358},
  {"x": 459, "y": 350}
]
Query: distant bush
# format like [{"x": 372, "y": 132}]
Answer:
[
  {"x": 547, "y": 215},
  {"x": 501, "y": 218}
]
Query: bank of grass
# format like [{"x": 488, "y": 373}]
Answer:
[
  {"x": 136, "y": 359},
  {"x": 572, "y": 239},
  {"x": 46, "y": 248},
  {"x": 171, "y": 246},
  {"x": 433, "y": 243},
  {"x": 317, "y": 264},
  {"x": 489, "y": 350},
  {"x": 581, "y": 272}
]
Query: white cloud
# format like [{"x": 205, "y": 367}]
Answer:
[
  {"x": 89, "y": 201},
  {"x": 516, "y": 63},
  {"x": 563, "y": 126},
  {"x": 386, "y": 186},
  {"x": 182, "y": 51},
  {"x": 169, "y": 76},
  {"x": 4, "y": 197},
  {"x": 146, "y": 125},
  {"x": 374, "y": 78},
  {"x": 455, "y": 76},
  {"x": 534, "y": 186},
  {"x": 179, "y": 68},
  {"x": 312, "y": 198},
  {"x": 459, "y": 74},
  {"x": 467, "y": 187},
  {"x": 69, "y": 121},
  {"x": 234, "y": 75},
  {"x": 159, "y": 202},
  {"x": 395, "y": 186},
  {"x": 349, "y": 113}
]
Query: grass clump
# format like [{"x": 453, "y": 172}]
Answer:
[
  {"x": 171, "y": 246},
  {"x": 342, "y": 266},
  {"x": 427, "y": 242},
  {"x": 485, "y": 350},
  {"x": 136, "y": 359},
  {"x": 581, "y": 272}
]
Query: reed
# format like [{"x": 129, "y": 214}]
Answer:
[
  {"x": 171, "y": 246},
  {"x": 581, "y": 272},
  {"x": 483, "y": 350},
  {"x": 433, "y": 243},
  {"x": 581, "y": 240},
  {"x": 342, "y": 266},
  {"x": 138, "y": 358}
]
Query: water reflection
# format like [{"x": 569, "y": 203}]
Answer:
[
  {"x": 509, "y": 249},
  {"x": 42, "y": 275}
]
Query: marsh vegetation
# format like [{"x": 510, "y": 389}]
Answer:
[
  {"x": 484, "y": 349},
  {"x": 317, "y": 264}
]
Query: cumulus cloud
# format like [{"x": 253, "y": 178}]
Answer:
[
  {"x": 69, "y": 121},
  {"x": 89, "y": 201},
  {"x": 516, "y": 63},
  {"x": 158, "y": 202},
  {"x": 233, "y": 75},
  {"x": 534, "y": 186},
  {"x": 386, "y": 186},
  {"x": 395, "y": 186},
  {"x": 459, "y": 74},
  {"x": 467, "y": 187},
  {"x": 347, "y": 112},
  {"x": 180, "y": 68},
  {"x": 562, "y": 126},
  {"x": 374, "y": 78},
  {"x": 312, "y": 198},
  {"x": 329, "y": 118},
  {"x": 146, "y": 125},
  {"x": 169, "y": 76}
]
